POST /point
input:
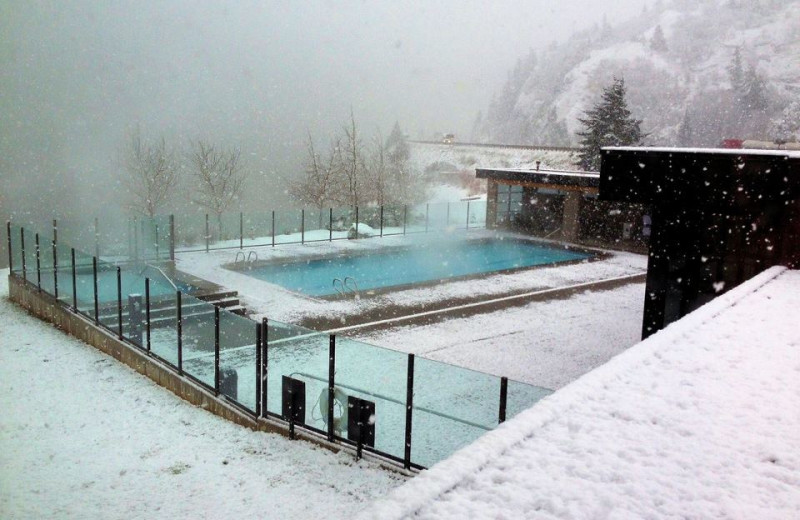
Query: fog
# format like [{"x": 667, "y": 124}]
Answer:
[{"x": 76, "y": 76}]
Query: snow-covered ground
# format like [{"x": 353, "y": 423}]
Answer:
[
  {"x": 701, "y": 420},
  {"x": 462, "y": 157},
  {"x": 547, "y": 343},
  {"x": 82, "y": 436}
]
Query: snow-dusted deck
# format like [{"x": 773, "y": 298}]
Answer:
[{"x": 700, "y": 420}]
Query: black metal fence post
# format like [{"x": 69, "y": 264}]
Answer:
[
  {"x": 216, "y": 350},
  {"x": 381, "y": 220},
  {"x": 208, "y": 233},
  {"x": 179, "y": 327},
  {"x": 22, "y": 250},
  {"x": 264, "y": 365},
  {"x": 258, "y": 369},
  {"x": 273, "y": 228},
  {"x": 241, "y": 230},
  {"x": 467, "y": 215},
  {"x": 356, "y": 221},
  {"x": 55, "y": 259},
  {"x": 405, "y": 218},
  {"x": 38, "y": 264},
  {"x": 331, "y": 382},
  {"x": 409, "y": 411},
  {"x": 74, "y": 281},
  {"x": 303, "y": 226},
  {"x": 119, "y": 300},
  {"x": 147, "y": 310},
  {"x": 330, "y": 224},
  {"x": 501, "y": 418},
  {"x": 96, "y": 237},
  {"x": 10, "y": 257},
  {"x": 172, "y": 237},
  {"x": 96, "y": 299},
  {"x": 136, "y": 237}
]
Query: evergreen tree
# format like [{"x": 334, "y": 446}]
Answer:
[
  {"x": 736, "y": 71},
  {"x": 608, "y": 123},
  {"x": 753, "y": 91},
  {"x": 658, "y": 43}
]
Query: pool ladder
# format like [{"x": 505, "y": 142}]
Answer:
[
  {"x": 344, "y": 286},
  {"x": 252, "y": 257}
]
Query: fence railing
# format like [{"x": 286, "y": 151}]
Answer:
[{"x": 411, "y": 410}]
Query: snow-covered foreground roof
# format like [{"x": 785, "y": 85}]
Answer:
[
  {"x": 83, "y": 436},
  {"x": 700, "y": 420}
]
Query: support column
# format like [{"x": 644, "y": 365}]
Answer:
[
  {"x": 491, "y": 204},
  {"x": 572, "y": 207}
]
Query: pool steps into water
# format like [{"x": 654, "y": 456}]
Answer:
[{"x": 162, "y": 310}]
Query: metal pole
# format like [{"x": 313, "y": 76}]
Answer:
[
  {"x": 38, "y": 265},
  {"x": 331, "y": 388},
  {"x": 405, "y": 218},
  {"x": 303, "y": 226},
  {"x": 179, "y": 327},
  {"x": 447, "y": 223},
  {"x": 427, "y": 211},
  {"x": 74, "y": 282},
  {"x": 258, "y": 369},
  {"x": 157, "y": 248},
  {"x": 55, "y": 259},
  {"x": 22, "y": 247},
  {"x": 207, "y": 233},
  {"x": 273, "y": 228},
  {"x": 264, "y": 365},
  {"x": 216, "y": 350},
  {"x": 8, "y": 232},
  {"x": 147, "y": 309},
  {"x": 96, "y": 302},
  {"x": 503, "y": 399},
  {"x": 409, "y": 410},
  {"x": 241, "y": 230},
  {"x": 172, "y": 237},
  {"x": 467, "y": 214},
  {"x": 356, "y": 221},
  {"x": 96, "y": 237},
  {"x": 136, "y": 237},
  {"x": 119, "y": 300},
  {"x": 330, "y": 224},
  {"x": 381, "y": 220}
]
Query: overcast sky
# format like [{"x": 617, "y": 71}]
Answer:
[{"x": 256, "y": 74}]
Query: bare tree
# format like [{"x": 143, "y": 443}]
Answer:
[
  {"x": 219, "y": 177},
  {"x": 352, "y": 162},
  {"x": 381, "y": 183},
  {"x": 321, "y": 179},
  {"x": 151, "y": 173}
]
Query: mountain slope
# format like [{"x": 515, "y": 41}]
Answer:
[{"x": 680, "y": 80}]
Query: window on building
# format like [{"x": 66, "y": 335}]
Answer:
[{"x": 509, "y": 202}]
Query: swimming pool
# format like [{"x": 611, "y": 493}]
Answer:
[{"x": 422, "y": 263}]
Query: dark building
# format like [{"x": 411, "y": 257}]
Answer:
[
  {"x": 561, "y": 205},
  {"x": 719, "y": 217}
]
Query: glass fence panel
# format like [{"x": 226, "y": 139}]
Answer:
[
  {"x": 190, "y": 231},
  {"x": 226, "y": 229},
  {"x": 302, "y": 355},
  {"x": 237, "y": 358},
  {"x": 343, "y": 220},
  {"x": 78, "y": 233},
  {"x": 394, "y": 220},
  {"x": 134, "y": 325},
  {"x": 84, "y": 283},
  {"x": 417, "y": 218},
  {"x": 46, "y": 261},
  {"x": 16, "y": 249},
  {"x": 316, "y": 224},
  {"x": 457, "y": 215},
  {"x": 107, "y": 295},
  {"x": 197, "y": 338},
  {"x": 115, "y": 234},
  {"x": 163, "y": 320},
  {"x": 453, "y": 406},
  {"x": 522, "y": 396},
  {"x": 258, "y": 229},
  {"x": 369, "y": 221},
  {"x": 438, "y": 215},
  {"x": 477, "y": 214},
  {"x": 378, "y": 375},
  {"x": 64, "y": 256},
  {"x": 288, "y": 226}
]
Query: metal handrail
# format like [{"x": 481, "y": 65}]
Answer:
[
  {"x": 236, "y": 258},
  {"x": 251, "y": 253},
  {"x": 339, "y": 291},
  {"x": 355, "y": 284},
  {"x": 162, "y": 274}
]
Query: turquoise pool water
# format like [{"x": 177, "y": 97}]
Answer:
[{"x": 423, "y": 263}]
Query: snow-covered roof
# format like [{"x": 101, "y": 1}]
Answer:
[
  {"x": 700, "y": 419},
  {"x": 793, "y": 154}
]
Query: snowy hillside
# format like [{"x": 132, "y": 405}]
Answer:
[
  {"x": 675, "y": 60},
  {"x": 435, "y": 157}
]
